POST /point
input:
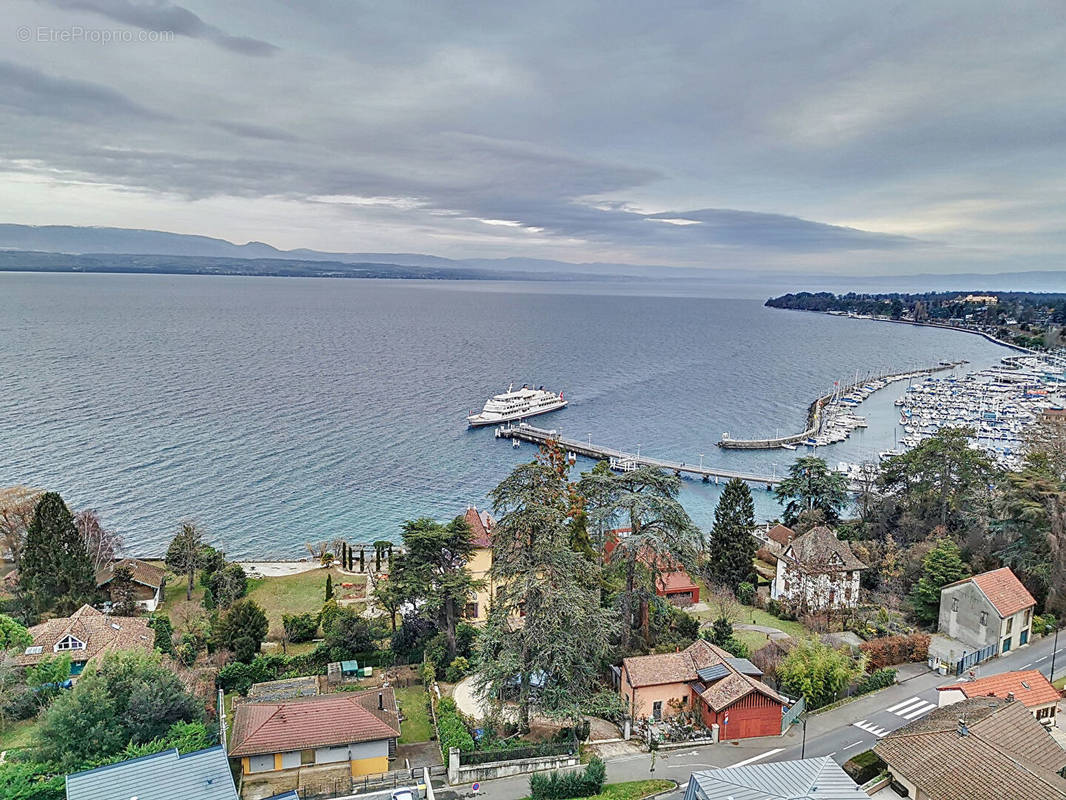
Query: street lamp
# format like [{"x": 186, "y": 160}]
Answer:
[{"x": 701, "y": 460}]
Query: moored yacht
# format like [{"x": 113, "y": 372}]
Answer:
[{"x": 517, "y": 404}]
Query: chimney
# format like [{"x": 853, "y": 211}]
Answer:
[
  {"x": 381, "y": 701},
  {"x": 1010, "y": 697},
  {"x": 963, "y": 730}
]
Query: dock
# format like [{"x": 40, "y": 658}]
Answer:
[
  {"x": 815, "y": 417},
  {"x": 622, "y": 461}
]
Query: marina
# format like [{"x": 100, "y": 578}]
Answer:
[{"x": 626, "y": 462}]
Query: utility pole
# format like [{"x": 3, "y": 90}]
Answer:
[
  {"x": 1054, "y": 649},
  {"x": 803, "y": 744}
]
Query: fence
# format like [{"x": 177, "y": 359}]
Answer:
[
  {"x": 792, "y": 714},
  {"x": 974, "y": 658},
  {"x": 515, "y": 753}
]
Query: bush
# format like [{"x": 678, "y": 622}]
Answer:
[
  {"x": 451, "y": 730},
  {"x": 745, "y": 593},
  {"x": 878, "y": 679},
  {"x": 606, "y": 705},
  {"x": 889, "y": 650},
  {"x": 565, "y": 785},
  {"x": 457, "y": 670},
  {"x": 300, "y": 627},
  {"x": 864, "y": 767},
  {"x": 1043, "y": 624}
]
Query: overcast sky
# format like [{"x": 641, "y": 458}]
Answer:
[{"x": 831, "y": 136}]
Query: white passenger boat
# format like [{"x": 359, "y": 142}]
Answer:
[{"x": 517, "y": 404}]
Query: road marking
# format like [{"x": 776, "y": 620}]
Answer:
[
  {"x": 918, "y": 703},
  {"x": 869, "y": 727},
  {"x": 832, "y": 754},
  {"x": 1041, "y": 659},
  {"x": 756, "y": 758},
  {"x": 898, "y": 706},
  {"x": 1026, "y": 666},
  {"x": 853, "y": 744},
  {"x": 917, "y": 712}
]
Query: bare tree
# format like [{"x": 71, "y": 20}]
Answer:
[
  {"x": 16, "y": 511},
  {"x": 103, "y": 545}
]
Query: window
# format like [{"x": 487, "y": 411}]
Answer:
[
  {"x": 1045, "y": 713},
  {"x": 984, "y": 617},
  {"x": 1006, "y": 644},
  {"x": 307, "y": 757},
  {"x": 954, "y": 604},
  {"x": 69, "y": 643},
  {"x": 657, "y": 710},
  {"x": 35, "y": 650},
  {"x": 1010, "y": 624},
  {"x": 847, "y": 594},
  {"x": 1028, "y": 615},
  {"x": 470, "y": 612}
]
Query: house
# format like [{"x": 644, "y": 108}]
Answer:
[
  {"x": 353, "y": 730},
  {"x": 149, "y": 582},
  {"x": 809, "y": 778},
  {"x": 85, "y": 635},
  {"x": 481, "y": 524},
  {"x": 991, "y": 610},
  {"x": 724, "y": 692},
  {"x": 775, "y": 539},
  {"x": 1029, "y": 687},
  {"x": 202, "y": 775},
  {"x": 672, "y": 582},
  {"x": 982, "y": 748},
  {"x": 817, "y": 572}
]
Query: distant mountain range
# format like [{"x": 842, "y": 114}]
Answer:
[{"x": 68, "y": 248}]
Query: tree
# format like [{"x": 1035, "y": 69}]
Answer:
[
  {"x": 432, "y": 575},
  {"x": 122, "y": 593},
  {"x": 811, "y": 486},
  {"x": 940, "y": 482},
  {"x": 552, "y": 658},
  {"x": 13, "y": 636},
  {"x": 242, "y": 629},
  {"x": 164, "y": 633},
  {"x": 228, "y": 585},
  {"x": 329, "y": 586},
  {"x": 102, "y": 545},
  {"x": 721, "y": 634},
  {"x": 17, "y": 504},
  {"x": 660, "y": 533},
  {"x": 55, "y": 571},
  {"x": 130, "y": 697},
  {"x": 185, "y": 556},
  {"x": 731, "y": 548},
  {"x": 817, "y": 672},
  {"x": 941, "y": 566},
  {"x": 389, "y": 594},
  {"x": 46, "y": 677},
  {"x": 348, "y": 634}
]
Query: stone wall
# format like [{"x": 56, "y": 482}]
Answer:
[{"x": 458, "y": 774}]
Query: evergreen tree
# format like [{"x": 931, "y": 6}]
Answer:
[
  {"x": 812, "y": 486},
  {"x": 164, "y": 633},
  {"x": 329, "y": 586},
  {"x": 186, "y": 554},
  {"x": 942, "y": 565},
  {"x": 730, "y": 546},
  {"x": 242, "y": 629},
  {"x": 122, "y": 593},
  {"x": 55, "y": 571}
]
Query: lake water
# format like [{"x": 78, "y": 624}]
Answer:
[{"x": 278, "y": 411}]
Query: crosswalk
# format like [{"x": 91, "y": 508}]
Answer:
[
  {"x": 913, "y": 708},
  {"x": 909, "y": 710}
]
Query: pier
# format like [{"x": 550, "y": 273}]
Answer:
[
  {"x": 625, "y": 462},
  {"x": 815, "y": 417}
]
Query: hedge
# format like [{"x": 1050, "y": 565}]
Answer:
[
  {"x": 889, "y": 650},
  {"x": 566, "y": 785},
  {"x": 864, "y": 767},
  {"x": 878, "y": 679},
  {"x": 451, "y": 730}
]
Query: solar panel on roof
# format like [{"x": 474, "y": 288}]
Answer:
[
  {"x": 712, "y": 673},
  {"x": 743, "y": 666}
]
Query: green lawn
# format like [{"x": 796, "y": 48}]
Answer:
[
  {"x": 416, "y": 726},
  {"x": 17, "y": 734},
  {"x": 631, "y": 790},
  {"x": 302, "y": 593},
  {"x": 1060, "y": 683}
]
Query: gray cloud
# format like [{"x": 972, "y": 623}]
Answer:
[
  {"x": 158, "y": 15},
  {"x": 30, "y": 91}
]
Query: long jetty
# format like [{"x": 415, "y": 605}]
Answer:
[
  {"x": 625, "y": 462},
  {"x": 815, "y": 417}
]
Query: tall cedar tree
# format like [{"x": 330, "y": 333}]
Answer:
[
  {"x": 660, "y": 533},
  {"x": 942, "y": 565},
  {"x": 55, "y": 571},
  {"x": 547, "y": 636},
  {"x": 185, "y": 554},
  {"x": 730, "y": 546},
  {"x": 812, "y": 486},
  {"x": 432, "y": 575},
  {"x": 242, "y": 629},
  {"x": 122, "y": 591}
]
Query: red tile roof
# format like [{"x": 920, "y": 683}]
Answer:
[
  {"x": 309, "y": 722},
  {"x": 1029, "y": 687},
  {"x": 99, "y": 632},
  {"x": 1003, "y": 590},
  {"x": 143, "y": 572},
  {"x": 481, "y": 525},
  {"x": 673, "y": 582},
  {"x": 781, "y": 534}
]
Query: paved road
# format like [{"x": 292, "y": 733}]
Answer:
[{"x": 840, "y": 733}]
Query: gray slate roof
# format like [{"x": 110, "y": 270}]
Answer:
[
  {"x": 203, "y": 775},
  {"x": 809, "y": 779}
]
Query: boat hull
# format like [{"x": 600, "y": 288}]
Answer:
[{"x": 479, "y": 421}]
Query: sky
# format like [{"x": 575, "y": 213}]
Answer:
[{"x": 839, "y": 137}]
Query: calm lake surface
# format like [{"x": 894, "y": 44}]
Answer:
[{"x": 278, "y": 411}]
